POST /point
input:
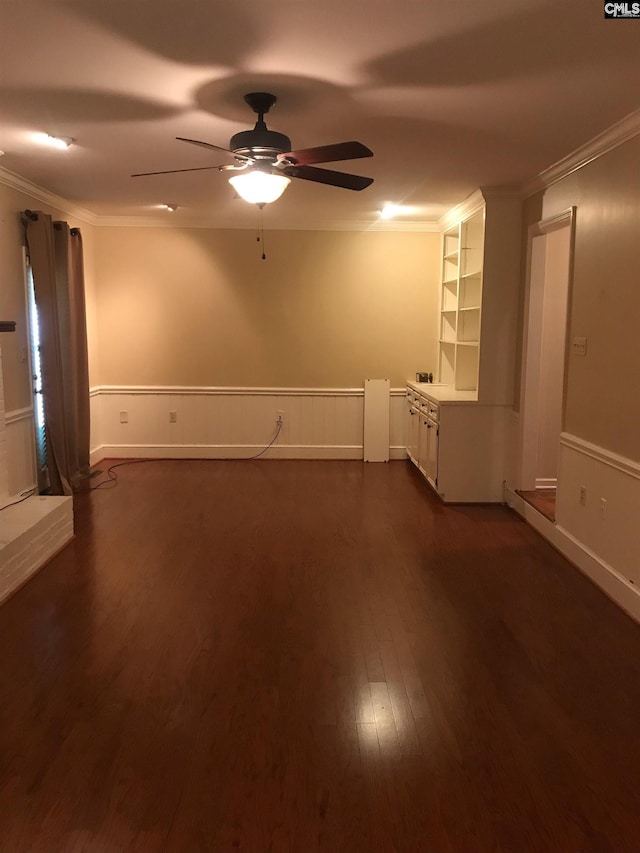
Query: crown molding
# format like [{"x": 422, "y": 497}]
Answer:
[
  {"x": 461, "y": 211},
  {"x": 611, "y": 138},
  {"x": 397, "y": 225},
  {"x": 475, "y": 202},
  {"x": 284, "y": 225},
  {"x": 17, "y": 182}
]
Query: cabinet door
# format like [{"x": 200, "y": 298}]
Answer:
[
  {"x": 423, "y": 443},
  {"x": 412, "y": 434},
  {"x": 432, "y": 458}
]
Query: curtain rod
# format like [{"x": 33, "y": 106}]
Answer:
[{"x": 29, "y": 214}]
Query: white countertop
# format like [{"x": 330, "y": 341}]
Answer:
[{"x": 443, "y": 393}]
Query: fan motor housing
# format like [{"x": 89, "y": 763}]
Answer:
[{"x": 260, "y": 142}]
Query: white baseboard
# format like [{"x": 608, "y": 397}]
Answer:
[
  {"x": 232, "y": 452},
  {"x": 396, "y": 453},
  {"x": 625, "y": 594},
  {"x": 228, "y": 451}
]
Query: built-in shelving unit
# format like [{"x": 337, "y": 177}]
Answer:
[
  {"x": 478, "y": 295},
  {"x": 461, "y": 302},
  {"x": 457, "y": 430}
]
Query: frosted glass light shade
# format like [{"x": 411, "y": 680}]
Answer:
[{"x": 259, "y": 187}]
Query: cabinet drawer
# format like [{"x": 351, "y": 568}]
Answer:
[{"x": 433, "y": 411}]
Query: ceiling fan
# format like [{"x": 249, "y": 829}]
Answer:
[{"x": 265, "y": 162}]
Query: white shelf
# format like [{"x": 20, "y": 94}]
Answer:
[{"x": 461, "y": 301}]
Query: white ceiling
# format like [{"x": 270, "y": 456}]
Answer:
[{"x": 450, "y": 95}]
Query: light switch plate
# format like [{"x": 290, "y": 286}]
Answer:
[{"x": 579, "y": 346}]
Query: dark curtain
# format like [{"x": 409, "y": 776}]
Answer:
[{"x": 55, "y": 252}]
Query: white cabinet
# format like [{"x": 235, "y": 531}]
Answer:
[
  {"x": 413, "y": 426},
  {"x": 422, "y": 434},
  {"x": 458, "y": 444},
  {"x": 423, "y": 443},
  {"x": 432, "y": 454}
]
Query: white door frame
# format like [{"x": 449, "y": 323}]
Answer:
[{"x": 531, "y": 350}]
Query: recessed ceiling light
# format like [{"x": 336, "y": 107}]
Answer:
[
  {"x": 61, "y": 142},
  {"x": 390, "y": 210},
  {"x": 171, "y": 207}
]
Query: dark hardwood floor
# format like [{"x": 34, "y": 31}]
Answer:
[{"x": 312, "y": 656}]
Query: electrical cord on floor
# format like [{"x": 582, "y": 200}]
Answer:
[
  {"x": 112, "y": 478},
  {"x": 258, "y": 455}
]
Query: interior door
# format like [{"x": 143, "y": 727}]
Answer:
[{"x": 545, "y": 351}]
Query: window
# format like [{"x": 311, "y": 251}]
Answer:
[{"x": 36, "y": 376}]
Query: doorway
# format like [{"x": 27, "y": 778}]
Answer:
[{"x": 550, "y": 250}]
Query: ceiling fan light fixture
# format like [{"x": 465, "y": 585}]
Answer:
[{"x": 259, "y": 187}]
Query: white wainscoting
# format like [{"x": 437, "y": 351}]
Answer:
[
  {"x": 319, "y": 423},
  {"x": 4, "y": 475},
  {"x": 32, "y": 532},
  {"x": 604, "y": 545},
  {"x": 95, "y": 417},
  {"x": 21, "y": 451},
  {"x": 610, "y": 530}
]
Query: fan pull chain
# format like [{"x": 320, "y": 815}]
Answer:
[{"x": 260, "y": 237}]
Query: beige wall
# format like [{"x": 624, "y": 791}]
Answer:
[
  {"x": 602, "y": 399},
  {"x": 180, "y": 306},
  {"x": 17, "y": 383},
  {"x": 327, "y": 309}
]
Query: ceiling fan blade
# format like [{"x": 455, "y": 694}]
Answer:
[
  {"x": 172, "y": 171},
  {"x": 327, "y": 176},
  {"x": 213, "y": 147},
  {"x": 328, "y": 153}
]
